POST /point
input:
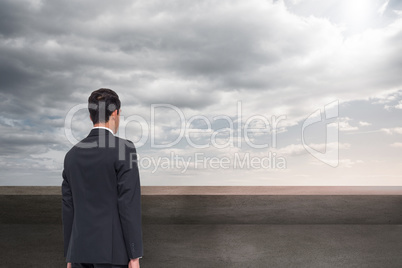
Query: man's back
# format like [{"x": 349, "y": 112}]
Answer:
[{"x": 102, "y": 201}]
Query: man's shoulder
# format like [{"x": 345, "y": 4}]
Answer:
[
  {"x": 115, "y": 143},
  {"x": 69, "y": 155},
  {"x": 125, "y": 143},
  {"x": 123, "y": 140}
]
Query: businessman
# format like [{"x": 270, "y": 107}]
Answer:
[{"x": 101, "y": 193}]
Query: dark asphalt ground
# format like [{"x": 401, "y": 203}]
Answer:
[{"x": 225, "y": 231}]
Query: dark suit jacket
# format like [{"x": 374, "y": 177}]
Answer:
[{"x": 101, "y": 200}]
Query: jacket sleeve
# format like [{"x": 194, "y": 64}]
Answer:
[
  {"x": 67, "y": 211},
  {"x": 129, "y": 200}
]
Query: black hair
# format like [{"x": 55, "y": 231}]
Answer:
[{"x": 101, "y": 104}]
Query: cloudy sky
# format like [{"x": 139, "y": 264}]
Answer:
[{"x": 210, "y": 61}]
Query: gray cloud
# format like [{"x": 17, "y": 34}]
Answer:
[{"x": 200, "y": 56}]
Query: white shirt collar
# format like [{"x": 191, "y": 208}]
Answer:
[{"x": 105, "y": 128}]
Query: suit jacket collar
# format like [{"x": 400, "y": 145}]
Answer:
[{"x": 99, "y": 131}]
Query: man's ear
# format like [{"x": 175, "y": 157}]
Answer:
[{"x": 114, "y": 113}]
